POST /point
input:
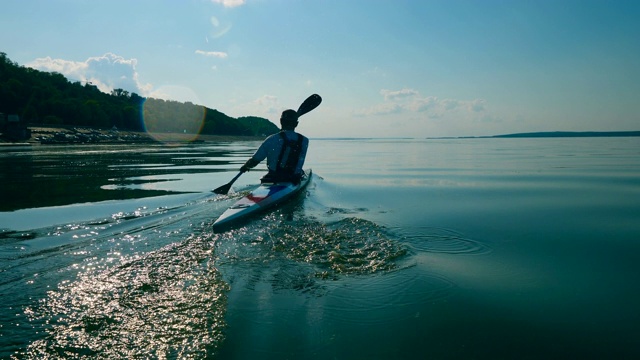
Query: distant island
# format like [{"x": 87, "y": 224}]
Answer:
[
  {"x": 555, "y": 134},
  {"x": 551, "y": 134},
  {"x": 558, "y": 134}
]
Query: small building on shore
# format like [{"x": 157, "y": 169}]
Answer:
[{"x": 13, "y": 129}]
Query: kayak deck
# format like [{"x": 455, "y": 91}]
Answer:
[{"x": 264, "y": 197}]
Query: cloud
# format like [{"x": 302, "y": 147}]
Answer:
[
  {"x": 381, "y": 109},
  {"x": 267, "y": 106},
  {"x": 229, "y": 3},
  {"x": 65, "y": 67},
  {"x": 107, "y": 72},
  {"x": 219, "y": 27},
  {"x": 216, "y": 54},
  {"x": 404, "y": 93},
  {"x": 450, "y": 104},
  {"x": 266, "y": 100},
  {"x": 268, "y": 103},
  {"x": 423, "y": 104},
  {"x": 410, "y": 101},
  {"x": 477, "y": 105}
]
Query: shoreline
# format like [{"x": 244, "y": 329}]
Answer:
[{"x": 77, "y": 135}]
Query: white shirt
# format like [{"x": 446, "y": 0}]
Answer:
[{"x": 271, "y": 147}]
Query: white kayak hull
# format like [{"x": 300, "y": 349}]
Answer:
[{"x": 264, "y": 197}]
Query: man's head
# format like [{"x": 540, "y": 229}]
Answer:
[{"x": 289, "y": 119}]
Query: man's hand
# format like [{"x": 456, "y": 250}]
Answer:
[{"x": 248, "y": 165}]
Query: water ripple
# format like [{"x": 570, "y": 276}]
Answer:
[
  {"x": 436, "y": 240},
  {"x": 389, "y": 297}
]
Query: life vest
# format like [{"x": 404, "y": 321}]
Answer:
[{"x": 289, "y": 155}]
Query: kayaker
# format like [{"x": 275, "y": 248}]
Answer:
[{"x": 285, "y": 152}]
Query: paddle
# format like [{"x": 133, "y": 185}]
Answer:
[
  {"x": 224, "y": 189},
  {"x": 307, "y": 105}
]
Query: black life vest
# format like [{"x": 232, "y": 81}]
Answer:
[{"x": 289, "y": 154}]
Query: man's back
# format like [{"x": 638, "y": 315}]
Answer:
[{"x": 285, "y": 153}]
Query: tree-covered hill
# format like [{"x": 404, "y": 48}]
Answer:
[{"x": 49, "y": 98}]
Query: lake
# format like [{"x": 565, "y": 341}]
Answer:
[{"x": 399, "y": 249}]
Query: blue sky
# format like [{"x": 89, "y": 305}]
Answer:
[{"x": 385, "y": 68}]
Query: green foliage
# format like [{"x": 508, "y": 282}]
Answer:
[
  {"x": 257, "y": 125},
  {"x": 52, "y": 120},
  {"x": 51, "y": 99}
]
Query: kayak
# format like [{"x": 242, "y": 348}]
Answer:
[{"x": 265, "y": 196}]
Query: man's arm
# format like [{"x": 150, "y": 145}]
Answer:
[
  {"x": 261, "y": 153},
  {"x": 249, "y": 164}
]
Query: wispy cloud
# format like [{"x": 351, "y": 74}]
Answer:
[
  {"x": 268, "y": 103},
  {"x": 380, "y": 109},
  {"x": 410, "y": 101},
  {"x": 107, "y": 72},
  {"x": 477, "y": 105},
  {"x": 219, "y": 27},
  {"x": 216, "y": 54},
  {"x": 404, "y": 93},
  {"x": 267, "y": 106},
  {"x": 229, "y": 3}
]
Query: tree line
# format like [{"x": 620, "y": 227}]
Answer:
[{"x": 49, "y": 98}]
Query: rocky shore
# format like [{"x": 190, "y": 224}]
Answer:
[
  {"x": 42, "y": 135},
  {"x": 47, "y": 136}
]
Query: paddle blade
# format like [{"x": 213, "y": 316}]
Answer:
[
  {"x": 223, "y": 190},
  {"x": 309, "y": 104}
]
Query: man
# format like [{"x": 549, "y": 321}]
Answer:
[{"x": 285, "y": 152}]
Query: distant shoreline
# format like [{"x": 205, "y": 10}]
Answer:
[
  {"x": 78, "y": 135},
  {"x": 561, "y": 134},
  {"x": 545, "y": 134},
  {"x": 61, "y": 135}
]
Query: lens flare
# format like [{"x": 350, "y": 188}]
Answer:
[{"x": 170, "y": 120}]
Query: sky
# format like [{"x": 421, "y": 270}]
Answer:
[{"x": 384, "y": 68}]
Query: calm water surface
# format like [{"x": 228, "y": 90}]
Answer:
[{"x": 403, "y": 249}]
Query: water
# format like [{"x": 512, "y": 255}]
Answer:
[{"x": 445, "y": 249}]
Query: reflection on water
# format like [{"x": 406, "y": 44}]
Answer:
[
  {"x": 477, "y": 248},
  {"x": 176, "y": 295},
  {"x": 167, "y": 303},
  {"x": 133, "y": 284},
  {"x": 59, "y": 175}
]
